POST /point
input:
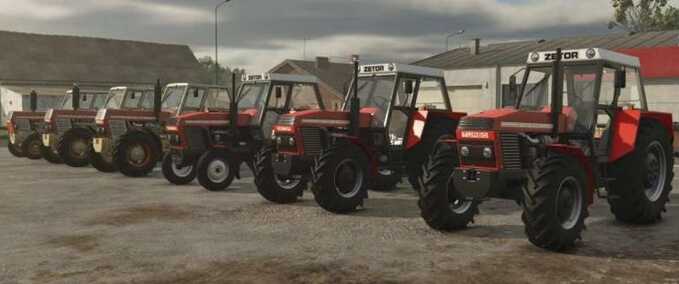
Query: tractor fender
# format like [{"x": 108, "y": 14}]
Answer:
[
  {"x": 626, "y": 126},
  {"x": 575, "y": 152},
  {"x": 336, "y": 137}
]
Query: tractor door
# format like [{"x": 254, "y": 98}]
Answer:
[
  {"x": 277, "y": 105},
  {"x": 402, "y": 111}
]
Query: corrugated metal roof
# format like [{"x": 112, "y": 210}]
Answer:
[
  {"x": 515, "y": 53},
  {"x": 34, "y": 57}
]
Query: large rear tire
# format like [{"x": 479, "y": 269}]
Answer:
[
  {"x": 554, "y": 205},
  {"x": 15, "y": 150},
  {"x": 103, "y": 162},
  {"x": 32, "y": 147},
  {"x": 340, "y": 178},
  {"x": 175, "y": 174},
  {"x": 74, "y": 147},
  {"x": 642, "y": 181},
  {"x": 215, "y": 171},
  {"x": 272, "y": 187},
  {"x": 136, "y": 153},
  {"x": 51, "y": 155},
  {"x": 441, "y": 207}
]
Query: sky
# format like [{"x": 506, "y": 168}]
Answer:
[{"x": 259, "y": 34}]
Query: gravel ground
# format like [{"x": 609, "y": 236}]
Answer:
[{"x": 67, "y": 225}]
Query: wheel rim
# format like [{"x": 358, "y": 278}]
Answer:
[
  {"x": 569, "y": 203},
  {"x": 138, "y": 155},
  {"x": 456, "y": 204},
  {"x": 287, "y": 182},
  {"x": 348, "y": 178},
  {"x": 217, "y": 171},
  {"x": 79, "y": 149},
  {"x": 656, "y": 171},
  {"x": 181, "y": 171}
]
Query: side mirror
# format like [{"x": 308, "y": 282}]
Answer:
[
  {"x": 75, "y": 101},
  {"x": 409, "y": 87},
  {"x": 279, "y": 93},
  {"x": 513, "y": 87},
  {"x": 34, "y": 101},
  {"x": 620, "y": 79}
]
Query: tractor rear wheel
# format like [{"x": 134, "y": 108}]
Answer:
[
  {"x": 136, "y": 154},
  {"x": 31, "y": 147},
  {"x": 15, "y": 150},
  {"x": 50, "y": 154},
  {"x": 340, "y": 178},
  {"x": 103, "y": 162},
  {"x": 554, "y": 204},
  {"x": 642, "y": 180},
  {"x": 74, "y": 147},
  {"x": 273, "y": 187},
  {"x": 386, "y": 180},
  {"x": 441, "y": 206},
  {"x": 175, "y": 174},
  {"x": 214, "y": 170}
]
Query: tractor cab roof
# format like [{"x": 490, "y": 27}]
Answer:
[
  {"x": 583, "y": 56},
  {"x": 195, "y": 85},
  {"x": 389, "y": 69},
  {"x": 277, "y": 77},
  {"x": 124, "y": 88}
]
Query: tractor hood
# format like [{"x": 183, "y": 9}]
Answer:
[
  {"x": 324, "y": 118},
  {"x": 25, "y": 115},
  {"x": 104, "y": 115},
  {"x": 213, "y": 118},
  {"x": 513, "y": 120},
  {"x": 82, "y": 114}
]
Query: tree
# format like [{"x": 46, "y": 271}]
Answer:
[
  {"x": 224, "y": 72},
  {"x": 645, "y": 15}
]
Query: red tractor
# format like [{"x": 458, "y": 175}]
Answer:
[
  {"x": 383, "y": 133},
  {"x": 69, "y": 130},
  {"x": 217, "y": 147},
  {"x": 580, "y": 126},
  {"x": 133, "y": 138}
]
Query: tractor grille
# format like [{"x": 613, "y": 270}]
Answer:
[
  {"x": 511, "y": 151},
  {"x": 476, "y": 123},
  {"x": 63, "y": 125},
  {"x": 312, "y": 143},
  {"x": 118, "y": 127},
  {"x": 286, "y": 120},
  {"x": 22, "y": 124}
]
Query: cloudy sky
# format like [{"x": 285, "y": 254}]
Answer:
[{"x": 258, "y": 34}]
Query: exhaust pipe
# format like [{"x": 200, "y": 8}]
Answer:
[
  {"x": 557, "y": 93},
  {"x": 33, "y": 101},
  {"x": 75, "y": 94},
  {"x": 157, "y": 99},
  {"x": 355, "y": 103},
  {"x": 233, "y": 107}
]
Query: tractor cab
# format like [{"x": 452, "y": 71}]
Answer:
[
  {"x": 129, "y": 98},
  {"x": 580, "y": 128}
]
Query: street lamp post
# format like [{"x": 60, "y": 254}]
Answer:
[
  {"x": 217, "y": 40},
  {"x": 460, "y": 32}
]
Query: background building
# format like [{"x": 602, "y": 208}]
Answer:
[
  {"x": 335, "y": 78},
  {"x": 50, "y": 64},
  {"x": 477, "y": 76}
]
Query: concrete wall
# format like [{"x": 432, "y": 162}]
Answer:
[
  {"x": 663, "y": 95},
  {"x": 10, "y": 101}
]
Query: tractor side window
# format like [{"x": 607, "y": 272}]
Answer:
[
  {"x": 404, "y": 95},
  {"x": 147, "y": 101},
  {"x": 303, "y": 98},
  {"x": 631, "y": 94},
  {"x": 133, "y": 100},
  {"x": 580, "y": 84},
  {"x": 194, "y": 99},
  {"x": 607, "y": 93},
  {"x": 431, "y": 95},
  {"x": 173, "y": 97},
  {"x": 85, "y": 100},
  {"x": 116, "y": 99},
  {"x": 217, "y": 99},
  {"x": 276, "y": 102},
  {"x": 99, "y": 101}
]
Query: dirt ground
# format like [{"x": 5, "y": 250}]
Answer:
[{"x": 65, "y": 225}]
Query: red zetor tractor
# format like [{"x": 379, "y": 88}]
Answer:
[
  {"x": 580, "y": 125},
  {"x": 69, "y": 130},
  {"x": 135, "y": 139},
  {"x": 219, "y": 143},
  {"x": 391, "y": 118},
  {"x": 24, "y": 129}
]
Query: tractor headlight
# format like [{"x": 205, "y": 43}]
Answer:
[
  {"x": 291, "y": 141},
  {"x": 464, "y": 151},
  {"x": 487, "y": 152}
]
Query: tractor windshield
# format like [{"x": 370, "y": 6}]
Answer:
[
  {"x": 252, "y": 96},
  {"x": 217, "y": 99},
  {"x": 579, "y": 92},
  {"x": 375, "y": 92},
  {"x": 173, "y": 97},
  {"x": 99, "y": 101},
  {"x": 115, "y": 101},
  {"x": 67, "y": 103}
]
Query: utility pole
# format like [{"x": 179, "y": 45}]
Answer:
[{"x": 460, "y": 32}]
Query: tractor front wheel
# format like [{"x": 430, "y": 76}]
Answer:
[
  {"x": 103, "y": 161},
  {"x": 15, "y": 150},
  {"x": 273, "y": 187},
  {"x": 441, "y": 206},
  {"x": 554, "y": 205},
  {"x": 136, "y": 154},
  {"x": 642, "y": 181},
  {"x": 214, "y": 171},
  {"x": 50, "y": 154},
  {"x": 31, "y": 147},
  {"x": 176, "y": 174},
  {"x": 74, "y": 148},
  {"x": 340, "y": 178}
]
